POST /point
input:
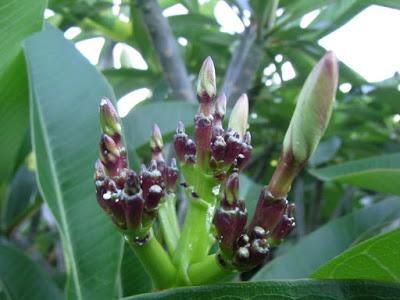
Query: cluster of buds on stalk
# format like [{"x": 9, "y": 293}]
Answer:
[
  {"x": 210, "y": 164},
  {"x": 245, "y": 247},
  {"x": 215, "y": 151},
  {"x": 131, "y": 200}
]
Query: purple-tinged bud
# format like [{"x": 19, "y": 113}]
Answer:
[
  {"x": 111, "y": 156},
  {"x": 109, "y": 120},
  {"x": 239, "y": 116},
  {"x": 107, "y": 197},
  {"x": 203, "y": 135},
  {"x": 258, "y": 233},
  {"x": 231, "y": 217},
  {"x": 150, "y": 177},
  {"x": 309, "y": 121},
  {"x": 171, "y": 176},
  {"x": 153, "y": 198},
  {"x": 132, "y": 183},
  {"x": 283, "y": 229},
  {"x": 206, "y": 86},
  {"x": 156, "y": 143},
  {"x": 190, "y": 152},
  {"x": 259, "y": 250},
  {"x": 133, "y": 211},
  {"x": 117, "y": 212},
  {"x": 243, "y": 240},
  {"x": 233, "y": 146},
  {"x": 232, "y": 188},
  {"x": 269, "y": 211},
  {"x": 245, "y": 152},
  {"x": 99, "y": 171},
  {"x": 218, "y": 148},
  {"x": 230, "y": 223},
  {"x": 180, "y": 140},
  {"x": 242, "y": 256},
  {"x": 220, "y": 109}
]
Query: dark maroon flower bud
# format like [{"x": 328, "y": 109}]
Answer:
[
  {"x": 180, "y": 140},
  {"x": 231, "y": 217},
  {"x": 109, "y": 120},
  {"x": 171, "y": 176},
  {"x": 258, "y": 233},
  {"x": 150, "y": 177},
  {"x": 230, "y": 223},
  {"x": 206, "y": 86},
  {"x": 245, "y": 151},
  {"x": 99, "y": 171},
  {"x": 190, "y": 152},
  {"x": 269, "y": 211},
  {"x": 117, "y": 209},
  {"x": 243, "y": 240},
  {"x": 113, "y": 159},
  {"x": 107, "y": 197},
  {"x": 203, "y": 135},
  {"x": 217, "y": 131},
  {"x": 259, "y": 250},
  {"x": 134, "y": 205},
  {"x": 233, "y": 146},
  {"x": 156, "y": 143},
  {"x": 154, "y": 195},
  {"x": 242, "y": 257},
  {"x": 132, "y": 183},
  {"x": 283, "y": 229},
  {"x": 232, "y": 188},
  {"x": 218, "y": 148}
]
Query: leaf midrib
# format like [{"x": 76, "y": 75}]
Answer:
[
  {"x": 351, "y": 174},
  {"x": 59, "y": 197}
]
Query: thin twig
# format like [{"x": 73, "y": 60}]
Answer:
[
  {"x": 166, "y": 49},
  {"x": 237, "y": 62},
  {"x": 248, "y": 55}
]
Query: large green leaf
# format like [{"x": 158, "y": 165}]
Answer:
[
  {"x": 22, "y": 193},
  {"x": 293, "y": 290},
  {"x": 328, "y": 241},
  {"x": 378, "y": 173},
  {"x": 65, "y": 93},
  {"x": 18, "y": 19},
  {"x": 21, "y": 278},
  {"x": 128, "y": 80},
  {"x": 375, "y": 259}
]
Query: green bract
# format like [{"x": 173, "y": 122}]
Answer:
[{"x": 313, "y": 110}]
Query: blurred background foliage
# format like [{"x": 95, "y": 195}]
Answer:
[{"x": 365, "y": 123}]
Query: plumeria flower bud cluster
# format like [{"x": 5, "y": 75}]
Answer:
[
  {"x": 273, "y": 219},
  {"x": 215, "y": 150},
  {"x": 245, "y": 247},
  {"x": 210, "y": 163},
  {"x": 130, "y": 199}
]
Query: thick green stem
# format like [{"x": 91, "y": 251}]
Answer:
[
  {"x": 208, "y": 270},
  {"x": 169, "y": 222},
  {"x": 155, "y": 260},
  {"x": 196, "y": 239}
]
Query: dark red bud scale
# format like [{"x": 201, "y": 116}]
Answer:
[
  {"x": 133, "y": 211},
  {"x": 179, "y": 141},
  {"x": 269, "y": 211},
  {"x": 218, "y": 148}
]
